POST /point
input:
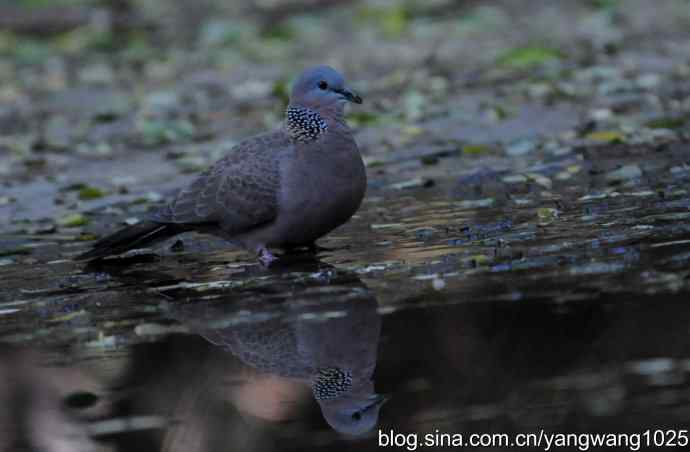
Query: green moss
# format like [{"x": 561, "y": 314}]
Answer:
[
  {"x": 547, "y": 214},
  {"x": 73, "y": 220},
  {"x": 86, "y": 38},
  {"x": 528, "y": 57},
  {"x": 429, "y": 160},
  {"x": 604, "y": 4},
  {"x": 666, "y": 123},
  {"x": 606, "y": 136},
  {"x": 393, "y": 21},
  {"x": 501, "y": 112},
  {"x": 362, "y": 118},
  {"x": 31, "y": 51},
  {"x": 475, "y": 149},
  {"x": 155, "y": 132},
  {"x": 282, "y": 32},
  {"x": 281, "y": 90},
  {"x": 88, "y": 193},
  {"x": 480, "y": 260}
]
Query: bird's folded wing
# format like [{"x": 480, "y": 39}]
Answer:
[{"x": 239, "y": 192}]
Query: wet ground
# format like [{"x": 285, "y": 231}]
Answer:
[{"x": 521, "y": 261}]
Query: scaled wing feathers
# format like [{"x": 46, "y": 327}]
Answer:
[{"x": 240, "y": 191}]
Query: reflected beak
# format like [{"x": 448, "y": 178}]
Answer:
[
  {"x": 376, "y": 401},
  {"x": 349, "y": 95}
]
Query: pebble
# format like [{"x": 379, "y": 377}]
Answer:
[
  {"x": 623, "y": 173},
  {"x": 514, "y": 179},
  {"x": 520, "y": 147},
  {"x": 438, "y": 284}
]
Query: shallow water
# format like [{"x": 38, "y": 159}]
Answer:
[{"x": 560, "y": 311}]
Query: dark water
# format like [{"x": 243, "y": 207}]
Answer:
[{"x": 425, "y": 315}]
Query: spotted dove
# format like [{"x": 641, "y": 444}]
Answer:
[{"x": 281, "y": 189}]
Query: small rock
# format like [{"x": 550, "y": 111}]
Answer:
[
  {"x": 648, "y": 81},
  {"x": 161, "y": 103},
  {"x": 476, "y": 203},
  {"x": 155, "y": 329},
  {"x": 520, "y": 147},
  {"x": 540, "y": 180},
  {"x": 514, "y": 179},
  {"x": 57, "y": 133},
  {"x": 387, "y": 226},
  {"x": 100, "y": 73},
  {"x": 601, "y": 114},
  {"x": 413, "y": 183},
  {"x": 123, "y": 180},
  {"x": 424, "y": 233},
  {"x": 153, "y": 196},
  {"x": 624, "y": 173},
  {"x": 5, "y": 200},
  {"x": 438, "y": 284},
  {"x": 42, "y": 229},
  {"x": 652, "y": 366},
  {"x": 102, "y": 149}
]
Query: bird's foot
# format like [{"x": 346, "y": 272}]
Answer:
[{"x": 265, "y": 257}]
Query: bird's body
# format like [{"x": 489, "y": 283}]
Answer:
[
  {"x": 335, "y": 355},
  {"x": 281, "y": 189}
]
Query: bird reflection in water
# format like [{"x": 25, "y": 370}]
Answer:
[
  {"x": 263, "y": 359},
  {"x": 322, "y": 338}
]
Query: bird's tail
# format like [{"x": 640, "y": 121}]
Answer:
[{"x": 135, "y": 236}]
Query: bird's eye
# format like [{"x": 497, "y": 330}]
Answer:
[
  {"x": 323, "y": 85},
  {"x": 80, "y": 400},
  {"x": 357, "y": 416}
]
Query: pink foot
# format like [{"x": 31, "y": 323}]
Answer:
[{"x": 266, "y": 258}]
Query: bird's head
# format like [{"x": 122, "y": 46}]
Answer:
[
  {"x": 322, "y": 89},
  {"x": 353, "y": 414},
  {"x": 348, "y": 404}
]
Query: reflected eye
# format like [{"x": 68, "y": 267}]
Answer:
[
  {"x": 80, "y": 400},
  {"x": 323, "y": 85},
  {"x": 357, "y": 416}
]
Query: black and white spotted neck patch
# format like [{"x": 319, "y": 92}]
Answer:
[
  {"x": 303, "y": 124},
  {"x": 331, "y": 383}
]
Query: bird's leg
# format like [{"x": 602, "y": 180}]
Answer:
[{"x": 265, "y": 257}]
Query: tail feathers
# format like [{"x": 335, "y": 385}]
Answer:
[{"x": 132, "y": 237}]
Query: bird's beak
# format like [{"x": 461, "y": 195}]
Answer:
[
  {"x": 349, "y": 95},
  {"x": 377, "y": 400}
]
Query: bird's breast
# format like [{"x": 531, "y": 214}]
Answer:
[{"x": 321, "y": 191}]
